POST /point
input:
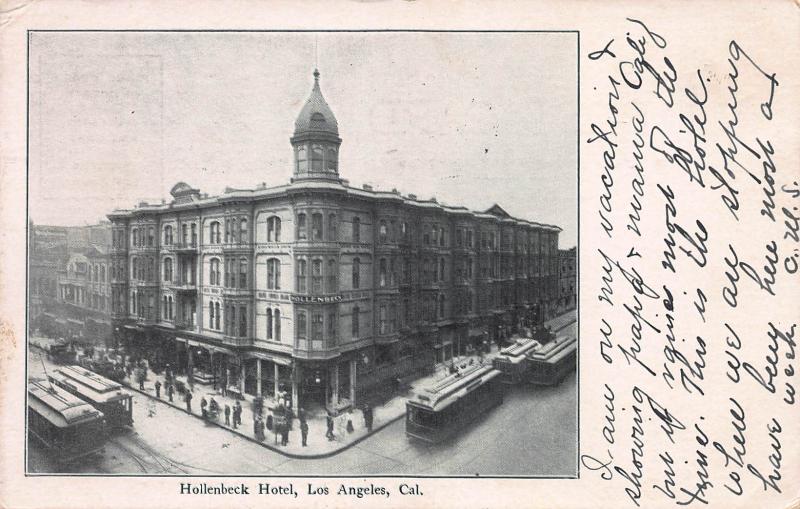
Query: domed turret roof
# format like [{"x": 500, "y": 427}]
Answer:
[{"x": 316, "y": 115}]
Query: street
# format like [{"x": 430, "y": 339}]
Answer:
[{"x": 533, "y": 433}]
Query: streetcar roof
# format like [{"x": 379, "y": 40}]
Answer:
[
  {"x": 555, "y": 350},
  {"x": 90, "y": 385},
  {"x": 519, "y": 348},
  {"x": 58, "y": 406},
  {"x": 447, "y": 391}
]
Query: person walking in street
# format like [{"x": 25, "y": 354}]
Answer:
[
  {"x": 203, "y": 404},
  {"x": 188, "y": 399},
  {"x": 329, "y": 426},
  {"x": 304, "y": 432},
  {"x": 228, "y": 415},
  {"x": 285, "y": 433},
  {"x": 158, "y": 389},
  {"x": 170, "y": 392}
]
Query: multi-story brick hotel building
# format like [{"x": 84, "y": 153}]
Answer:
[{"x": 326, "y": 291}]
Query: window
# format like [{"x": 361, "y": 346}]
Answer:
[
  {"x": 382, "y": 272},
  {"x": 134, "y": 233},
  {"x": 214, "y": 233},
  {"x": 301, "y": 276},
  {"x": 150, "y": 236},
  {"x": 356, "y": 273},
  {"x": 301, "y": 226},
  {"x": 392, "y": 273},
  {"x": 331, "y": 159},
  {"x": 316, "y": 226},
  {"x": 382, "y": 318},
  {"x": 214, "y": 276},
  {"x": 469, "y": 238},
  {"x": 227, "y": 232},
  {"x": 164, "y": 310},
  {"x": 269, "y": 323},
  {"x": 210, "y": 314},
  {"x": 194, "y": 234},
  {"x": 150, "y": 269},
  {"x": 243, "y": 273},
  {"x": 356, "y": 229},
  {"x": 243, "y": 321},
  {"x": 274, "y": 229},
  {"x": 316, "y": 157},
  {"x": 316, "y": 276},
  {"x": 382, "y": 232},
  {"x": 332, "y": 276},
  {"x": 243, "y": 231},
  {"x": 167, "y": 235},
  {"x": 277, "y": 334},
  {"x": 332, "y": 326},
  {"x": 434, "y": 235},
  {"x": 168, "y": 269},
  {"x": 355, "y": 327},
  {"x": 441, "y": 269},
  {"x": 442, "y": 237},
  {"x": 404, "y": 231},
  {"x": 216, "y": 313},
  {"x": 392, "y": 317},
  {"x": 273, "y": 274},
  {"x": 332, "y": 233},
  {"x": 441, "y": 306},
  {"x": 316, "y": 326},
  {"x": 103, "y": 273},
  {"x": 426, "y": 234},
  {"x": 302, "y": 158}
]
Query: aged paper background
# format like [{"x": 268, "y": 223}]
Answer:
[{"x": 652, "y": 427}]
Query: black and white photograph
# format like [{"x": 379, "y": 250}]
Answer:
[{"x": 302, "y": 253}]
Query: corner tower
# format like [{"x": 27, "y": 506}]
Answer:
[{"x": 316, "y": 139}]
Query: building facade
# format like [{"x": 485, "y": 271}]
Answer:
[
  {"x": 567, "y": 278},
  {"x": 317, "y": 288}
]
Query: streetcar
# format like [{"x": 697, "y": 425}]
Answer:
[
  {"x": 439, "y": 411},
  {"x": 553, "y": 361},
  {"x": 511, "y": 361},
  {"x": 106, "y": 395},
  {"x": 66, "y": 426}
]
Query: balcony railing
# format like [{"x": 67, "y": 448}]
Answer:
[{"x": 185, "y": 248}]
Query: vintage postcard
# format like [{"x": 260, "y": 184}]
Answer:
[{"x": 524, "y": 254}]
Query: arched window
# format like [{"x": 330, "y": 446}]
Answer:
[
  {"x": 243, "y": 273},
  {"x": 316, "y": 276},
  {"x": 382, "y": 232},
  {"x": 302, "y": 158},
  {"x": 168, "y": 269},
  {"x": 301, "y": 276},
  {"x": 216, "y": 315},
  {"x": 356, "y": 273},
  {"x": 150, "y": 236},
  {"x": 214, "y": 276},
  {"x": 273, "y": 274},
  {"x": 442, "y": 237},
  {"x": 302, "y": 327},
  {"x": 316, "y": 157},
  {"x": 167, "y": 235},
  {"x": 214, "y": 233},
  {"x": 441, "y": 269},
  {"x": 333, "y": 235},
  {"x": 164, "y": 315},
  {"x": 150, "y": 268},
  {"x": 356, "y": 318},
  {"x": 243, "y": 231},
  {"x": 210, "y": 315},
  {"x": 234, "y": 230},
  {"x": 441, "y": 306},
  {"x": 103, "y": 273},
  {"x": 392, "y": 317},
  {"x": 316, "y": 326},
  {"x": 185, "y": 234},
  {"x": 316, "y": 226},
  {"x": 331, "y": 161},
  {"x": 269, "y": 323},
  {"x": 274, "y": 229},
  {"x": 135, "y": 268},
  {"x": 332, "y": 275},
  {"x": 382, "y": 272},
  {"x": 356, "y": 229},
  {"x": 242, "y": 321},
  {"x": 426, "y": 234},
  {"x": 382, "y": 318},
  {"x": 277, "y": 321},
  {"x": 301, "y": 227},
  {"x": 134, "y": 237}
]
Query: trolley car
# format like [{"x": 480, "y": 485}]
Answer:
[
  {"x": 67, "y": 427},
  {"x": 439, "y": 411},
  {"x": 106, "y": 395},
  {"x": 511, "y": 361},
  {"x": 553, "y": 361}
]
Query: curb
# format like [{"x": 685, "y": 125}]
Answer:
[{"x": 271, "y": 447}]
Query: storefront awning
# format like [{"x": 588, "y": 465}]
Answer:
[
  {"x": 476, "y": 332},
  {"x": 283, "y": 361},
  {"x": 211, "y": 348}
]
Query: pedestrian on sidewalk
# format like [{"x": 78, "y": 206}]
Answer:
[
  {"x": 237, "y": 414},
  {"x": 301, "y": 414},
  {"x": 170, "y": 392},
  {"x": 188, "y": 399},
  {"x": 285, "y": 433},
  {"x": 258, "y": 428},
  {"x": 367, "y": 417},
  {"x": 228, "y": 415},
  {"x": 203, "y": 404},
  {"x": 329, "y": 426},
  {"x": 140, "y": 376},
  {"x": 304, "y": 431},
  {"x": 158, "y": 389}
]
